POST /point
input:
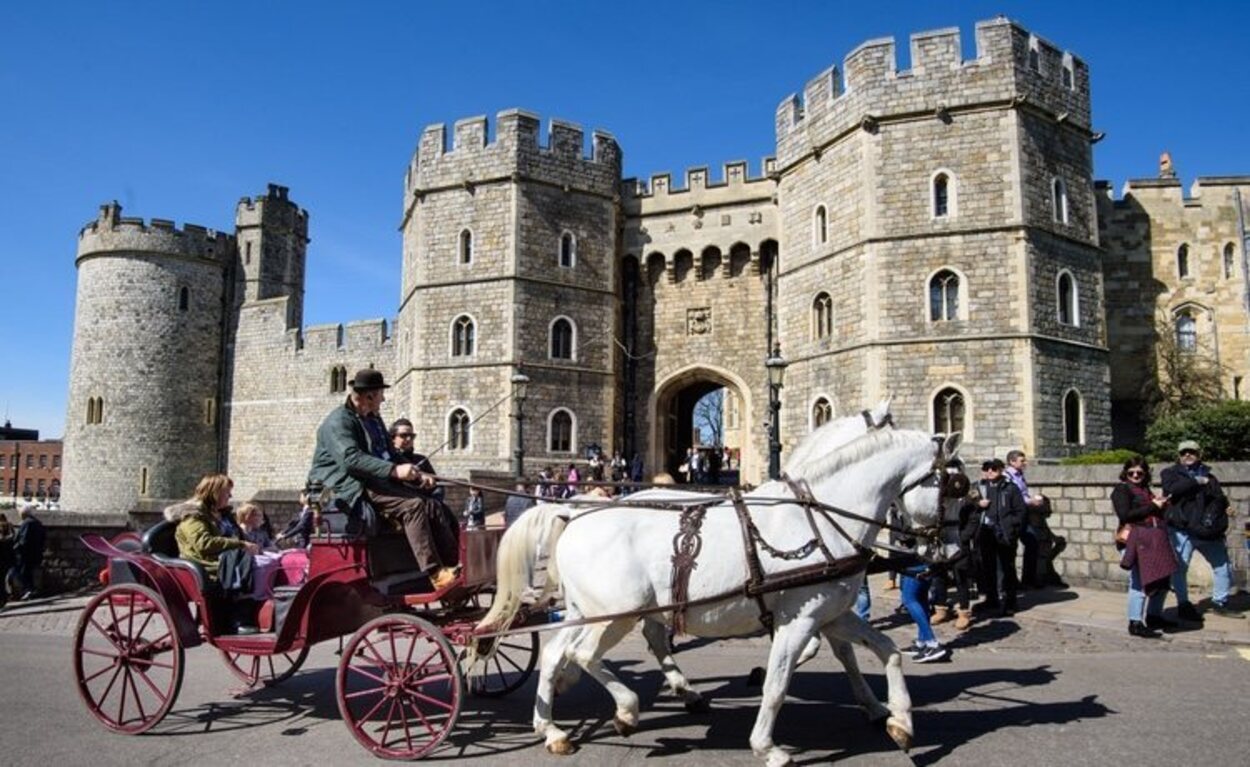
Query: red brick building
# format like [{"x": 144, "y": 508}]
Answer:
[{"x": 30, "y": 469}]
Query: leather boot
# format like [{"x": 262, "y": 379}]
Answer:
[
  {"x": 941, "y": 614},
  {"x": 963, "y": 620},
  {"x": 1139, "y": 629}
]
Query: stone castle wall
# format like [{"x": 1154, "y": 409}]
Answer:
[
  {"x": 1142, "y": 233},
  {"x": 148, "y": 322}
]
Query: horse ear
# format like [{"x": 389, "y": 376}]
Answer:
[
  {"x": 883, "y": 407},
  {"x": 951, "y": 445}
]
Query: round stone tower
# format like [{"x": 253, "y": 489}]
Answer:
[{"x": 146, "y": 367}]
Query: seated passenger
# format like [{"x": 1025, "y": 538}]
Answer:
[
  {"x": 354, "y": 457},
  {"x": 252, "y": 527},
  {"x": 199, "y": 534}
]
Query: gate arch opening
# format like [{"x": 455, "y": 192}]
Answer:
[{"x": 673, "y": 428}]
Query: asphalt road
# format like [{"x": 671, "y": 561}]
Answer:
[{"x": 1017, "y": 692}]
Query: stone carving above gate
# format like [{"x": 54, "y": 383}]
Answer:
[{"x": 699, "y": 321}]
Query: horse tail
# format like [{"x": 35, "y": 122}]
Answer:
[{"x": 516, "y": 561}]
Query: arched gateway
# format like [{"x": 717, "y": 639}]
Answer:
[{"x": 672, "y": 407}]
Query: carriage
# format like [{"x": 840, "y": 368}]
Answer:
[{"x": 400, "y": 679}]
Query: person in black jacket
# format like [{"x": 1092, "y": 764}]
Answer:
[
  {"x": 28, "y": 551},
  {"x": 1002, "y": 516},
  {"x": 1136, "y": 506},
  {"x": 1197, "y": 518}
]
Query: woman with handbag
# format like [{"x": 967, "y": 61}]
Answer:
[{"x": 1147, "y": 554}]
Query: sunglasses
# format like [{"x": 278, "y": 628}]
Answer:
[
  {"x": 1135, "y": 473},
  {"x": 1189, "y": 452},
  {"x": 403, "y": 435}
]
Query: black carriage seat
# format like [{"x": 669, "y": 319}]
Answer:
[{"x": 159, "y": 541}]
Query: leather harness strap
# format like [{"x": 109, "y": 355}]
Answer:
[
  {"x": 755, "y": 573},
  {"x": 687, "y": 545}
]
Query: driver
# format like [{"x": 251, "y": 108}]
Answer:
[{"x": 353, "y": 456}]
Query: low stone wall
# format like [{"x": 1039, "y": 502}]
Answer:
[
  {"x": 67, "y": 563},
  {"x": 1081, "y": 511}
]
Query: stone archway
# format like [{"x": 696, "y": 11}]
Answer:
[{"x": 672, "y": 406}]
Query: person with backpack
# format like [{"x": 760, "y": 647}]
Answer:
[{"x": 1197, "y": 519}]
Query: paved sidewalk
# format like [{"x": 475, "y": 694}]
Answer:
[
  {"x": 1079, "y": 607},
  {"x": 1107, "y": 610}
]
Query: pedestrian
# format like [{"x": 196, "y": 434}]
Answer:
[
  {"x": 1146, "y": 548},
  {"x": 914, "y": 584},
  {"x": 572, "y": 478},
  {"x": 8, "y": 534},
  {"x": 1034, "y": 528},
  {"x": 474, "y": 511},
  {"x": 517, "y": 504},
  {"x": 28, "y": 545},
  {"x": 1002, "y": 517},
  {"x": 1197, "y": 520},
  {"x": 958, "y": 568}
]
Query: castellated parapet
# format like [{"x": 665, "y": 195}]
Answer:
[
  {"x": 516, "y": 153},
  {"x": 1011, "y": 66},
  {"x": 111, "y": 233}
]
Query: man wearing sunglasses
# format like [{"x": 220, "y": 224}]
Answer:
[{"x": 1197, "y": 519}]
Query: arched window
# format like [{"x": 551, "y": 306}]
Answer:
[
  {"x": 1182, "y": 261},
  {"x": 1073, "y": 427},
  {"x": 944, "y": 296},
  {"x": 1229, "y": 267},
  {"x": 90, "y": 411},
  {"x": 822, "y": 316},
  {"x": 1067, "y": 298},
  {"x": 822, "y": 412},
  {"x": 338, "y": 379},
  {"x": 184, "y": 299},
  {"x": 941, "y": 195},
  {"x": 948, "y": 411},
  {"x": 562, "y": 337},
  {"x": 1186, "y": 332},
  {"x": 1059, "y": 196},
  {"x": 458, "y": 426},
  {"x": 466, "y": 246},
  {"x": 568, "y": 250},
  {"x": 462, "y": 336},
  {"x": 560, "y": 432},
  {"x": 820, "y": 226}
]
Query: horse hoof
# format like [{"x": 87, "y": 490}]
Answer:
[
  {"x": 698, "y": 706},
  {"x": 756, "y": 677},
  {"x": 899, "y": 735},
  {"x": 561, "y": 747},
  {"x": 624, "y": 728}
]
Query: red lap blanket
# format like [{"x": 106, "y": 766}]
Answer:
[{"x": 1150, "y": 550}]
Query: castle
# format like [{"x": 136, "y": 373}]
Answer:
[{"x": 934, "y": 234}]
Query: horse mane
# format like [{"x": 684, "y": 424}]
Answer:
[
  {"x": 803, "y": 452},
  {"x": 818, "y": 467}
]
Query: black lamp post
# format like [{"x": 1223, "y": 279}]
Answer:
[
  {"x": 520, "y": 386},
  {"x": 776, "y": 367}
]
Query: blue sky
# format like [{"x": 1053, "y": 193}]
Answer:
[{"x": 178, "y": 109}]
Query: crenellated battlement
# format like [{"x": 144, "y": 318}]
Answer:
[
  {"x": 358, "y": 337},
  {"x": 516, "y": 148},
  {"x": 1011, "y": 67},
  {"x": 111, "y": 232},
  {"x": 274, "y": 208},
  {"x": 733, "y": 175}
]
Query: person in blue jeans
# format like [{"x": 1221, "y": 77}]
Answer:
[
  {"x": 1197, "y": 518},
  {"x": 914, "y": 588}
]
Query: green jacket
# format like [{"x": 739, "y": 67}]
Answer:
[
  {"x": 342, "y": 460},
  {"x": 199, "y": 537}
]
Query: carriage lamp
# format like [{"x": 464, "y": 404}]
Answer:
[
  {"x": 520, "y": 389},
  {"x": 776, "y": 367}
]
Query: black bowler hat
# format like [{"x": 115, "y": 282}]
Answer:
[{"x": 367, "y": 380}]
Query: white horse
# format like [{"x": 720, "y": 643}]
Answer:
[
  {"x": 618, "y": 562},
  {"x": 655, "y": 629}
]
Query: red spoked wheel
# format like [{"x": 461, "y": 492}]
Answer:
[
  {"x": 128, "y": 661},
  {"x": 398, "y": 687},
  {"x": 507, "y": 669},
  {"x": 264, "y": 669}
]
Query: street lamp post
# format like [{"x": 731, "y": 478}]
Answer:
[
  {"x": 520, "y": 386},
  {"x": 776, "y": 367}
]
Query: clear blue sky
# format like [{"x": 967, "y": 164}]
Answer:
[{"x": 178, "y": 109}]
